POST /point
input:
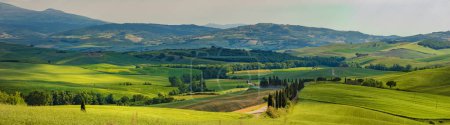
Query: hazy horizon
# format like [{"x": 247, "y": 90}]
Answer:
[{"x": 385, "y": 17}]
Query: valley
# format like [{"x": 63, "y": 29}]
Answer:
[{"x": 62, "y": 68}]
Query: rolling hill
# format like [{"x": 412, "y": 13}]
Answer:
[
  {"x": 435, "y": 81},
  {"x": 40, "y": 22},
  {"x": 380, "y": 53},
  {"x": 405, "y": 104}
]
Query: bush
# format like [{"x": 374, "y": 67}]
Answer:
[
  {"x": 372, "y": 83},
  {"x": 37, "y": 98},
  {"x": 272, "y": 112},
  {"x": 13, "y": 99}
]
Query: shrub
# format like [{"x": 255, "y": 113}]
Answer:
[
  {"x": 13, "y": 99},
  {"x": 272, "y": 112}
]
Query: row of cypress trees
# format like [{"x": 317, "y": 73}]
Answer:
[
  {"x": 274, "y": 81},
  {"x": 282, "y": 98}
]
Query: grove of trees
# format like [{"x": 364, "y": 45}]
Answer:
[
  {"x": 284, "y": 97},
  {"x": 394, "y": 67},
  {"x": 187, "y": 83}
]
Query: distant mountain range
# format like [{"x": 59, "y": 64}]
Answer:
[
  {"x": 223, "y": 26},
  {"x": 56, "y": 29},
  {"x": 18, "y": 22}
]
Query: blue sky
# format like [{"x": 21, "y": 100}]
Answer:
[{"x": 380, "y": 17}]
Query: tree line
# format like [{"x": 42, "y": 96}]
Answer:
[
  {"x": 394, "y": 67},
  {"x": 221, "y": 70},
  {"x": 282, "y": 98},
  {"x": 41, "y": 98},
  {"x": 369, "y": 82},
  {"x": 435, "y": 43},
  {"x": 274, "y": 81}
]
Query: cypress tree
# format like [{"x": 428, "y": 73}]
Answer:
[
  {"x": 269, "y": 101},
  {"x": 277, "y": 103},
  {"x": 83, "y": 107}
]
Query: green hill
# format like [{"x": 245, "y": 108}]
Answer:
[
  {"x": 405, "y": 104},
  {"x": 434, "y": 81},
  {"x": 104, "y": 78},
  {"x": 29, "y": 54},
  {"x": 308, "y": 72}
]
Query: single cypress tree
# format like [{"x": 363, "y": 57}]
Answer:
[
  {"x": 269, "y": 101},
  {"x": 83, "y": 107},
  {"x": 277, "y": 103}
]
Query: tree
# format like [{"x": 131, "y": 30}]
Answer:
[
  {"x": 174, "y": 81},
  {"x": 270, "y": 101},
  {"x": 83, "y": 106},
  {"x": 391, "y": 84},
  {"x": 110, "y": 99},
  {"x": 37, "y": 98}
]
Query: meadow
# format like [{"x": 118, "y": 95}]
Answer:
[
  {"x": 309, "y": 72},
  {"x": 103, "y": 78},
  {"x": 400, "y": 103},
  {"x": 436, "y": 80}
]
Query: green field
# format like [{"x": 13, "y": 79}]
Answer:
[
  {"x": 381, "y": 53},
  {"x": 102, "y": 78},
  {"x": 316, "y": 113},
  {"x": 222, "y": 103},
  {"x": 308, "y": 72},
  {"x": 95, "y": 115},
  {"x": 400, "y": 103},
  {"x": 353, "y": 105},
  {"x": 435, "y": 81}
]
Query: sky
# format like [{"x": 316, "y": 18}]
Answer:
[{"x": 377, "y": 17}]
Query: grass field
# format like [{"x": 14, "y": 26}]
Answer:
[
  {"x": 222, "y": 103},
  {"x": 111, "y": 115},
  {"x": 400, "y": 103},
  {"x": 316, "y": 113},
  {"x": 436, "y": 81},
  {"x": 308, "y": 72},
  {"x": 227, "y": 85},
  {"x": 29, "y": 77},
  {"x": 344, "y": 50},
  {"x": 381, "y": 53}
]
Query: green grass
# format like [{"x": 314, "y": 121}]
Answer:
[
  {"x": 223, "y": 103},
  {"x": 226, "y": 85},
  {"x": 400, "y": 103},
  {"x": 307, "y": 72},
  {"x": 316, "y": 113},
  {"x": 95, "y": 115},
  {"x": 345, "y": 50},
  {"x": 436, "y": 81},
  {"x": 403, "y": 53},
  {"x": 28, "y": 77}
]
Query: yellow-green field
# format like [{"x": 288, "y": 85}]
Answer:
[
  {"x": 309, "y": 72},
  {"x": 102, "y": 78},
  {"x": 381, "y": 53},
  {"x": 436, "y": 81},
  {"x": 405, "y": 104},
  {"x": 329, "y": 111}
]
